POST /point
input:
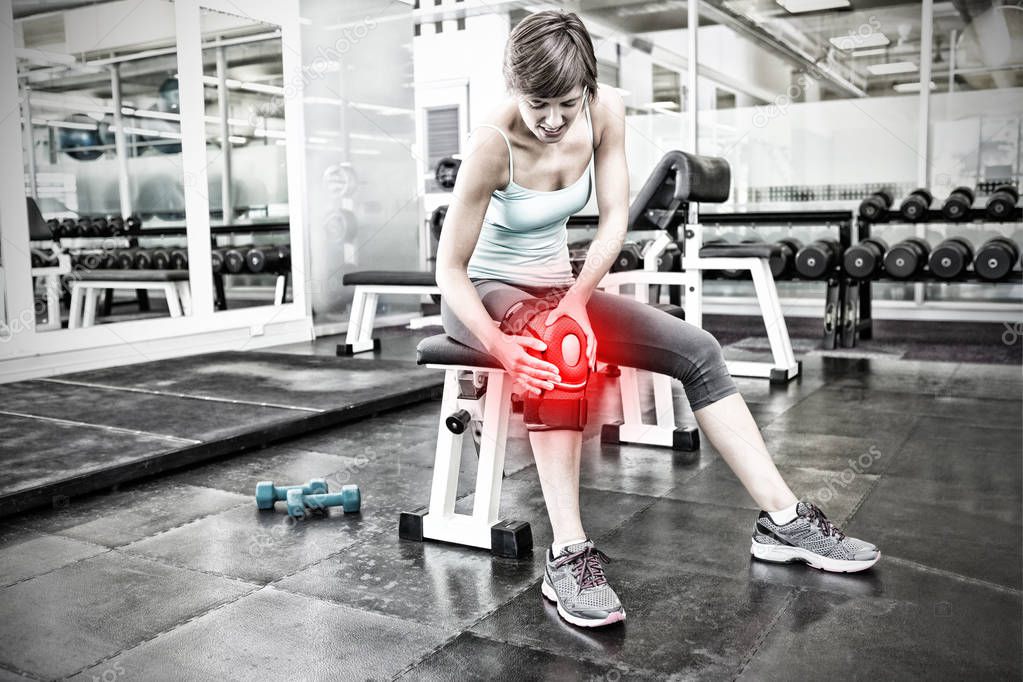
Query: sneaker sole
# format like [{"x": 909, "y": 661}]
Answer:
[
  {"x": 782, "y": 554},
  {"x": 548, "y": 592}
]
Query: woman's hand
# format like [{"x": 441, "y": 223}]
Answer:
[
  {"x": 575, "y": 307},
  {"x": 530, "y": 372}
]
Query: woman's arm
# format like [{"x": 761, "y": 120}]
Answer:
[
  {"x": 612, "y": 192},
  {"x": 483, "y": 170}
]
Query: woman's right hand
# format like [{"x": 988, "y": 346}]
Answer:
[{"x": 528, "y": 371}]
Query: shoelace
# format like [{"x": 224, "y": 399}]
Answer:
[
  {"x": 815, "y": 515},
  {"x": 587, "y": 568}
]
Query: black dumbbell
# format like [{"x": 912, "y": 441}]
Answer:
[
  {"x": 437, "y": 221},
  {"x": 958, "y": 204},
  {"x": 668, "y": 260},
  {"x": 43, "y": 259},
  {"x": 142, "y": 259},
  {"x": 447, "y": 172},
  {"x": 234, "y": 259},
  {"x": 817, "y": 259},
  {"x": 1002, "y": 202},
  {"x": 950, "y": 258},
  {"x": 914, "y": 207},
  {"x": 100, "y": 227},
  {"x": 116, "y": 226},
  {"x": 179, "y": 259},
  {"x": 996, "y": 258},
  {"x": 629, "y": 258},
  {"x": 83, "y": 228},
  {"x": 783, "y": 264},
  {"x": 133, "y": 224},
  {"x": 53, "y": 225},
  {"x": 68, "y": 228},
  {"x": 160, "y": 258},
  {"x": 217, "y": 259},
  {"x": 907, "y": 258},
  {"x": 875, "y": 207},
  {"x": 268, "y": 258},
  {"x": 92, "y": 260},
  {"x": 124, "y": 259},
  {"x": 864, "y": 260}
]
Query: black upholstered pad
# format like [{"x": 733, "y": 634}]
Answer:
[
  {"x": 443, "y": 350},
  {"x": 132, "y": 275},
  {"x": 396, "y": 277},
  {"x": 673, "y": 310},
  {"x": 763, "y": 250}
]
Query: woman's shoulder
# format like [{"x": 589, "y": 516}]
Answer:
[{"x": 607, "y": 111}]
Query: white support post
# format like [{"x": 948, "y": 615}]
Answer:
[
  {"x": 449, "y": 454},
  {"x": 493, "y": 440}
]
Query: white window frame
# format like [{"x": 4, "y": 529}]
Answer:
[{"x": 26, "y": 352}]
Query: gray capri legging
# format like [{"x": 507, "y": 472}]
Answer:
[{"x": 629, "y": 334}]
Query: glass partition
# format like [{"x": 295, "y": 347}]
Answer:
[{"x": 102, "y": 151}]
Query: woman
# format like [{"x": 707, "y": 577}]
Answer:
[{"x": 558, "y": 137}]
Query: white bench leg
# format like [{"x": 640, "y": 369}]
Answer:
[
  {"x": 279, "y": 290},
  {"x": 52, "y": 302},
  {"x": 75, "y": 312},
  {"x": 170, "y": 291},
  {"x": 774, "y": 320},
  {"x": 185, "y": 294},
  {"x": 360, "y": 325},
  {"x": 89, "y": 316}
]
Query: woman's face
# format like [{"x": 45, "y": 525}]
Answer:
[{"x": 549, "y": 119}]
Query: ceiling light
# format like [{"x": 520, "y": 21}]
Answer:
[
  {"x": 911, "y": 87},
  {"x": 876, "y": 52},
  {"x": 855, "y": 41},
  {"x": 797, "y": 6},
  {"x": 664, "y": 104},
  {"x": 237, "y": 139},
  {"x": 892, "y": 68}
]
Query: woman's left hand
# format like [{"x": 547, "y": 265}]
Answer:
[{"x": 575, "y": 307}]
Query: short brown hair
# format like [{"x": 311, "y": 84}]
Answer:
[{"x": 548, "y": 54}]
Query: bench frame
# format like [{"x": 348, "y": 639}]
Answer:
[
  {"x": 359, "y": 337},
  {"x": 178, "y": 294},
  {"x": 485, "y": 393}
]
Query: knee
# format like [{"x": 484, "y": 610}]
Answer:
[{"x": 701, "y": 355}]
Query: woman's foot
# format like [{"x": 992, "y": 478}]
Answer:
[
  {"x": 575, "y": 581},
  {"x": 813, "y": 539}
]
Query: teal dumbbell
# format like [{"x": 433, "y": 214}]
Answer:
[
  {"x": 267, "y": 493},
  {"x": 349, "y": 499}
]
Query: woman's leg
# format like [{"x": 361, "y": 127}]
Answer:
[
  {"x": 556, "y": 452},
  {"x": 632, "y": 334}
]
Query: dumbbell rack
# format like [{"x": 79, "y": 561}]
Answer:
[
  {"x": 837, "y": 286},
  {"x": 857, "y": 312}
]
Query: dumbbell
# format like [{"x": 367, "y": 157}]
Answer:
[
  {"x": 629, "y": 258},
  {"x": 264, "y": 258},
  {"x": 53, "y": 225},
  {"x": 784, "y": 263},
  {"x": 179, "y": 259},
  {"x": 1002, "y": 202},
  {"x": 142, "y": 259},
  {"x": 864, "y": 260},
  {"x": 68, "y": 228},
  {"x": 91, "y": 260},
  {"x": 818, "y": 258},
  {"x": 349, "y": 499},
  {"x": 907, "y": 258},
  {"x": 217, "y": 259},
  {"x": 116, "y": 226},
  {"x": 100, "y": 227},
  {"x": 267, "y": 493},
  {"x": 124, "y": 259},
  {"x": 996, "y": 258},
  {"x": 160, "y": 258},
  {"x": 950, "y": 258},
  {"x": 914, "y": 207},
  {"x": 43, "y": 259},
  {"x": 234, "y": 259},
  {"x": 958, "y": 204},
  {"x": 447, "y": 172},
  {"x": 437, "y": 220},
  {"x": 133, "y": 224},
  {"x": 875, "y": 207}
]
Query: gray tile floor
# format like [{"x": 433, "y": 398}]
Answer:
[{"x": 181, "y": 578}]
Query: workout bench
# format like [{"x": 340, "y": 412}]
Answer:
[
  {"x": 369, "y": 284},
  {"x": 89, "y": 284}
]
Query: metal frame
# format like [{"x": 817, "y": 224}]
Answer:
[
  {"x": 34, "y": 352},
  {"x": 359, "y": 337}
]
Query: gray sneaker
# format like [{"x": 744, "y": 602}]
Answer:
[
  {"x": 575, "y": 581},
  {"x": 811, "y": 538}
]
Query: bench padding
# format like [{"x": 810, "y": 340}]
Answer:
[
  {"x": 443, "y": 350},
  {"x": 130, "y": 275},
  {"x": 673, "y": 310},
  {"x": 395, "y": 277},
  {"x": 764, "y": 250}
]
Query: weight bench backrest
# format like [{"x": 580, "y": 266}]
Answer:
[{"x": 679, "y": 178}]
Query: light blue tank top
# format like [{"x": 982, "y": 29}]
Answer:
[{"x": 524, "y": 237}]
